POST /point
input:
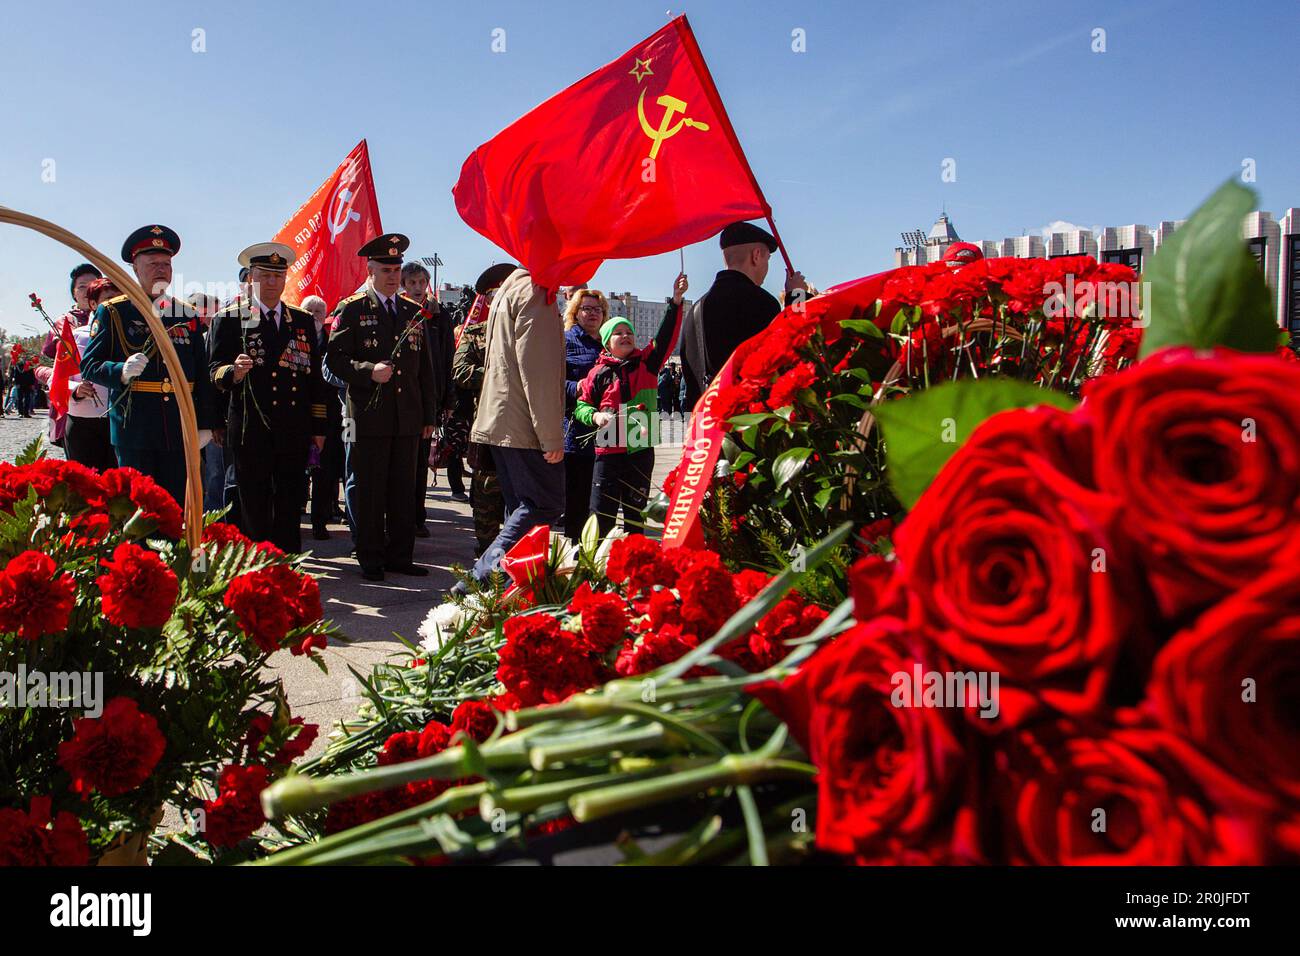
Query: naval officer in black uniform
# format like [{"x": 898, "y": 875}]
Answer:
[
  {"x": 377, "y": 347},
  {"x": 122, "y": 356},
  {"x": 265, "y": 362}
]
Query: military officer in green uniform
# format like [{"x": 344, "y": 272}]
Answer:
[
  {"x": 377, "y": 347},
  {"x": 123, "y": 357},
  {"x": 265, "y": 363}
]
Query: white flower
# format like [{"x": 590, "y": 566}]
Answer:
[
  {"x": 440, "y": 624},
  {"x": 602, "y": 553}
]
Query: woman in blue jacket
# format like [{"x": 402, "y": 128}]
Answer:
[{"x": 583, "y": 316}]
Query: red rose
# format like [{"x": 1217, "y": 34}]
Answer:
[
  {"x": 876, "y": 586},
  {"x": 34, "y": 599},
  {"x": 237, "y": 812},
  {"x": 884, "y": 773},
  {"x": 29, "y": 839},
  {"x": 1015, "y": 568},
  {"x": 139, "y": 590},
  {"x": 1132, "y": 798},
  {"x": 735, "y": 400},
  {"x": 1203, "y": 451},
  {"x": 604, "y": 618},
  {"x": 541, "y": 664},
  {"x": 113, "y": 753},
  {"x": 1228, "y": 683},
  {"x": 477, "y": 719}
]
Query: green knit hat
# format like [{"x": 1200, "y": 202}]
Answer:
[{"x": 608, "y": 328}]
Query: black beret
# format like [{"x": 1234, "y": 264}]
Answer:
[
  {"x": 743, "y": 233},
  {"x": 493, "y": 276},
  {"x": 151, "y": 238}
]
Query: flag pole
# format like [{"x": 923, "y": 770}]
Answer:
[
  {"x": 780, "y": 245},
  {"x": 693, "y": 51}
]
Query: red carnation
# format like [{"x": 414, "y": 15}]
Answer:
[
  {"x": 300, "y": 736},
  {"x": 35, "y": 839},
  {"x": 476, "y": 718},
  {"x": 654, "y": 650},
  {"x": 271, "y": 602},
  {"x": 311, "y": 643},
  {"x": 139, "y": 590},
  {"x": 542, "y": 664},
  {"x": 113, "y": 753},
  {"x": 641, "y": 563},
  {"x": 222, "y": 534},
  {"x": 708, "y": 596},
  {"x": 159, "y": 511},
  {"x": 237, "y": 811},
  {"x": 786, "y": 388},
  {"x": 34, "y": 599},
  {"x": 604, "y": 618}
]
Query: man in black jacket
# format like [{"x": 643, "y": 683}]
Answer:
[
  {"x": 266, "y": 359},
  {"x": 378, "y": 348},
  {"x": 735, "y": 308}
]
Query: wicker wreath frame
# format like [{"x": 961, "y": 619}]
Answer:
[{"x": 193, "y": 504}]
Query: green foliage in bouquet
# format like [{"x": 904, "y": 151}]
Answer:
[{"x": 133, "y": 667}]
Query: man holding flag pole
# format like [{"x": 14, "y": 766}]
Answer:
[{"x": 661, "y": 167}]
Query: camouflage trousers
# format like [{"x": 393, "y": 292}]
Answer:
[{"x": 488, "y": 506}]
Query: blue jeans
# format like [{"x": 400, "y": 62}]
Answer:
[
  {"x": 349, "y": 487},
  {"x": 534, "y": 494},
  {"x": 214, "y": 477}
]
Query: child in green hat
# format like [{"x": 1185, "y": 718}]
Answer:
[{"x": 620, "y": 398}]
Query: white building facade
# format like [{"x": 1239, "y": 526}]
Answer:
[{"x": 1275, "y": 244}]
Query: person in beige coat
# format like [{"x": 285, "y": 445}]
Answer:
[{"x": 521, "y": 411}]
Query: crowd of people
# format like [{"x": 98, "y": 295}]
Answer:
[{"x": 546, "y": 414}]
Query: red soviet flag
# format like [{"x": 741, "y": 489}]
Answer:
[
  {"x": 636, "y": 159},
  {"x": 67, "y": 363},
  {"x": 328, "y": 229}
]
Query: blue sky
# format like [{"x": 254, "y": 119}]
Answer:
[{"x": 847, "y": 138}]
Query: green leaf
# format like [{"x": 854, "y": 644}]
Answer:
[
  {"x": 925, "y": 429},
  {"x": 1204, "y": 288},
  {"x": 788, "y": 464},
  {"x": 33, "y": 451},
  {"x": 823, "y": 497},
  {"x": 867, "y": 328},
  {"x": 749, "y": 418}
]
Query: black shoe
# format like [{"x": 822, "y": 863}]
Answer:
[
  {"x": 459, "y": 496},
  {"x": 320, "y": 534},
  {"x": 372, "y": 574},
  {"x": 414, "y": 570},
  {"x": 421, "y": 531}
]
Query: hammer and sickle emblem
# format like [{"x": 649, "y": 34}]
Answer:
[
  {"x": 667, "y": 129},
  {"x": 342, "y": 213}
]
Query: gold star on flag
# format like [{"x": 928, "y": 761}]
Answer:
[{"x": 641, "y": 70}]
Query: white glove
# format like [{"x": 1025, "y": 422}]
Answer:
[
  {"x": 133, "y": 366},
  {"x": 205, "y": 436}
]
